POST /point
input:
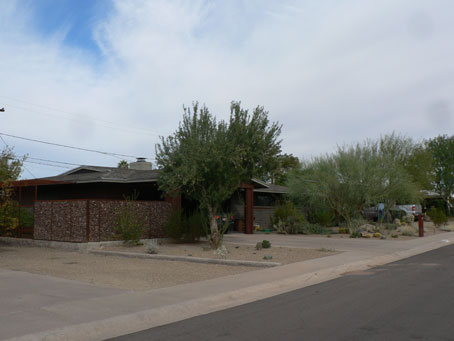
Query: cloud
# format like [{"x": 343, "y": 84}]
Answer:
[{"x": 331, "y": 72}]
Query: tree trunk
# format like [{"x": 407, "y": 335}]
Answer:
[{"x": 215, "y": 236}]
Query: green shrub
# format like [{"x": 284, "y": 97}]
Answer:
[
  {"x": 185, "y": 229},
  {"x": 390, "y": 226},
  {"x": 355, "y": 234},
  {"x": 322, "y": 216},
  {"x": 266, "y": 244},
  {"x": 308, "y": 228},
  {"x": 284, "y": 212},
  {"x": 130, "y": 225},
  {"x": 437, "y": 216}
]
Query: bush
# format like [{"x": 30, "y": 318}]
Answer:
[
  {"x": 408, "y": 219},
  {"x": 153, "y": 247},
  {"x": 185, "y": 229},
  {"x": 308, "y": 228},
  {"x": 355, "y": 234},
  {"x": 266, "y": 244},
  {"x": 390, "y": 226},
  {"x": 284, "y": 212},
  {"x": 130, "y": 226},
  {"x": 322, "y": 216},
  {"x": 437, "y": 216}
]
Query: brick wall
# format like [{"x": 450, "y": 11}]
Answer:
[{"x": 94, "y": 220}]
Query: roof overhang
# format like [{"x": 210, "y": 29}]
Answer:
[{"x": 36, "y": 182}]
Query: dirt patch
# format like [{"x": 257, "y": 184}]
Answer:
[
  {"x": 283, "y": 255},
  {"x": 110, "y": 271},
  {"x": 139, "y": 274}
]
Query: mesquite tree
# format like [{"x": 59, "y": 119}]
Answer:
[{"x": 206, "y": 160}]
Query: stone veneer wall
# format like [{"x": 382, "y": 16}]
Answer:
[{"x": 93, "y": 220}]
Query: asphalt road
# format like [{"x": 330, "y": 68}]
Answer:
[{"x": 406, "y": 300}]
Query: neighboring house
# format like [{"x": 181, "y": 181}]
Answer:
[
  {"x": 80, "y": 205},
  {"x": 266, "y": 198}
]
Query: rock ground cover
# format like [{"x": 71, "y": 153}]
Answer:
[
  {"x": 140, "y": 274},
  {"x": 283, "y": 255}
]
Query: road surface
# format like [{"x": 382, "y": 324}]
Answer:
[{"x": 406, "y": 300}]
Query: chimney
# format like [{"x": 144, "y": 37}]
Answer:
[{"x": 141, "y": 164}]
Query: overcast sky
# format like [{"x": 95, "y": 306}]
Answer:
[{"x": 114, "y": 75}]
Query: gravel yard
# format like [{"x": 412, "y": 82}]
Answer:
[
  {"x": 283, "y": 255},
  {"x": 139, "y": 274}
]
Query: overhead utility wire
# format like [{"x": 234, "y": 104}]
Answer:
[
  {"x": 71, "y": 147},
  {"x": 6, "y": 144},
  {"x": 113, "y": 125},
  {"x": 47, "y": 164}
]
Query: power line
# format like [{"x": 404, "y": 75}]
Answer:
[
  {"x": 33, "y": 176},
  {"x": 111, "y": 125},
  {"x": 61, "y": 162},
  {"x": 71, "y": 147},
  {"x": 46, "y": 164}
]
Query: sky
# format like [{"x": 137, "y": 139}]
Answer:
[{"x": 113, "y": 75}]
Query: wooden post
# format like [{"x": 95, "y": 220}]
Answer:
[
  {"x": 420, "y": 225},
  {"x": 19, "y": 228},
  {"x": 249, "y": 209}
]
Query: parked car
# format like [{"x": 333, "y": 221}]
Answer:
[
  {"x": 397, "y": 211},
  {"x": 410, "y": 209}
]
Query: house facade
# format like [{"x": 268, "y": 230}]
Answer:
[{"x": 80, "y": 205}]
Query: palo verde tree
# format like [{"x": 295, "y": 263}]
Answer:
[
  {"x": 207, "y": 160},
  {"x": 358, "y": 176},
  {"x": 442, "y": 149}
]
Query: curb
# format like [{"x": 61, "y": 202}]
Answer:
[
  {"x": 187, "y": 259},
  {"x": 134, "y": 322}
]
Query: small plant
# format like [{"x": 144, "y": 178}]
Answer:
[
  {"x": 391, "y": 226},
  {"x": 408, "y": 219},
  {"x": 437, "y": 216},
  {"x": 266, "y": 244},
  {"x": 394, "y": 235},
  {"x": 309, "y": 228},
  {"x": 343, "y": 230},
  {"x": 130, "y": 225},
  {"x": 258, "y": 246},
  {"x": 377, "y": 235},
  {"x": 324, "y": 249},
  {"x": 221, "y": 252},
  {"x": 268, "y": 257},
  {"x": 153, "y": 247},
  {"x": 355, "y": 234},
  {"x": 407, "y": 230},
  {"x": 185, "y": 229},
  {"x": 287, "y": 219}
]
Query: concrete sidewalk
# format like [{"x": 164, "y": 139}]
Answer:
[{"x": 36, "y": 307}]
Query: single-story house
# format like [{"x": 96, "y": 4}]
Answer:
[{"x": 80, "y": 205}]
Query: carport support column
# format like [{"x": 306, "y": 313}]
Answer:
[{"x": 249, "y": 209}]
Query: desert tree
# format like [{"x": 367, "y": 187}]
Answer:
[{"x": 207, "y": 160}]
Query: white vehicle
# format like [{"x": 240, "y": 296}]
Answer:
[
  {"x": 409, "y": 209},
  {"x": 413, "y": 209}
]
